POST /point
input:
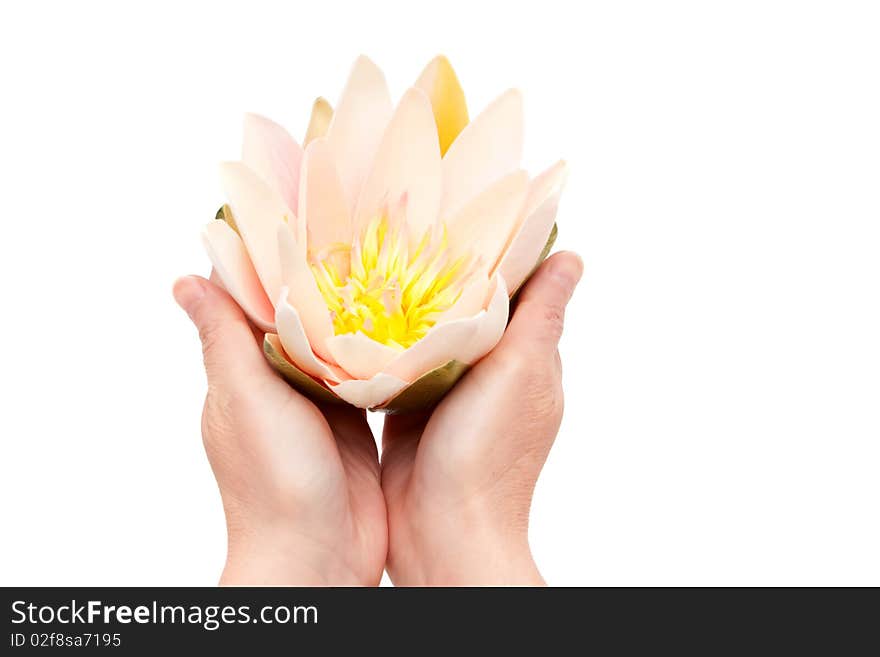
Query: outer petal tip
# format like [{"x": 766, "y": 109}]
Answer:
[
  {"x": 361, "y": 115},
  {"x": 258, "y": 209},
  {"x": 363, "y": 60},
  {"x": 407, "y": 162},
  {"x": 557, "y": 175},
  {"x": 319, "y": 121},
  {"x": 273, "y": 154},
  {"x": 441, "y": 84},
  {"x": 536, "y": 232},
  {"x": 488, "y": 148}
]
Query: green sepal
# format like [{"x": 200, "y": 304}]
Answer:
[
  {"x": 225, "y": 214},
  {"x": 298, "y": 379},
  {"x": 426, "y": 391}
]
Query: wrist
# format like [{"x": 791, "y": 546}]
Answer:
[
  {"x": 468, "y": 547},
  {"x": 283, "y": 560}
]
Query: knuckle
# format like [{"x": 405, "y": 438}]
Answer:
[
  {"x": 545, "y": 399},
  {"x": 536, "y": 377},
  {"x": 217, "y": 417},
  {"x": 554, "y": 318},
  {"x": 210, "y": 335},
  {"x": 519, "y": 364},
  {"x": 542, "y": 389}
]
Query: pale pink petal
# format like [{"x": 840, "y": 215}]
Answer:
[
  {"x": 466, "y": 340},
  {"x": 360, "y": 355},
  {"x": 472, "y": 300},
  {"x": 274, "y": 155},
  {"x": 486, "y": 223},
  {"x": 296, "y": 345},
  {"x": 370, "y": 392},
  {"x": 488, "y": 148},
  {"x": 357, "y": 125},
  {"x": 234, "y": 267},
  {"x": 303, "y": 293},
  {"x": 258, "y": 211},
  {"x": 407, "y": 167},
  {"x": 537, "y": 217},
  {"x": 322, "y": 202},
  {"x": 492, "y": 326}
]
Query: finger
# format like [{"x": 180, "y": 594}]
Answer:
[
  {"x": 403, "y": 428},
  {"x": 538, "y": 319},
  {"x": 231, "y": 356},
  {"x": 400, "y": 441},
  {"x": 259, "y": 334},
  {"x": 352, "y": 433}
]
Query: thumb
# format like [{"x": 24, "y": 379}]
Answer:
[
  {"x": 540, "y": 311},
  {"x": 231, "y": 354}
]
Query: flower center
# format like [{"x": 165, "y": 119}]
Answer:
[{"x": 378, "y": 287}]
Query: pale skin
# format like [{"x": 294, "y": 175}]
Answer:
[{"x": 306, "y": 497}]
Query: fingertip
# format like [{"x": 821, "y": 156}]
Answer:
[
  {"x": 231, "y": 355},
  {"x": 540, "y": 312},
  {"x": 566, "y": 266},
  {"x": 556, "y": 278},
  {"x": 188, "y": 291}
]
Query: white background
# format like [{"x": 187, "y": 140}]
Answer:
[{"x": 722, "y": 356}]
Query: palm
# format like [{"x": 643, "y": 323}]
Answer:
[
  {"x": 442, "y": 455},
  {"x": 358, "y": 498},
  {"x": 326, "y": 457}
]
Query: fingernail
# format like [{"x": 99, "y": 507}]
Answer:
[
  {"x": 188, "y": 291},
  {"x": 568, "y": 268}
]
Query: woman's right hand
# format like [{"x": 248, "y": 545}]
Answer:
[{"x": 458, "y": 482}]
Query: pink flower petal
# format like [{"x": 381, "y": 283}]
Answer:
[
  {"x": 472, "y": 300},
  {"x": 357, "y": 125},
  {"x": 360, "y": 355},
  {"x": 302, "y": 292},
  {"x": 538, "y": 214},
  {"x": 370, "y": 392},
  {"x": 274, "y": 155},
  {"x": 258, "y": 210},
  {"x": 488, "y": 148},
  {"x": 406, "y": 169},
  {"x": 296, "y": 345},
  {"x": 234, "y": 267},
  {"x": 486, "y": 223},
  {"x": 322, "y": 202}
]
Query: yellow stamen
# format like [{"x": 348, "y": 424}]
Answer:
[{"x": 386, "y": 292}]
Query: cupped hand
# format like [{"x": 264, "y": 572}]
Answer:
[
  {"x": 458, "y": 482},
  {"x": 299, "y": 483}
]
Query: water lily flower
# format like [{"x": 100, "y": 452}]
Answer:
[{"x": 379, "y": 256}]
